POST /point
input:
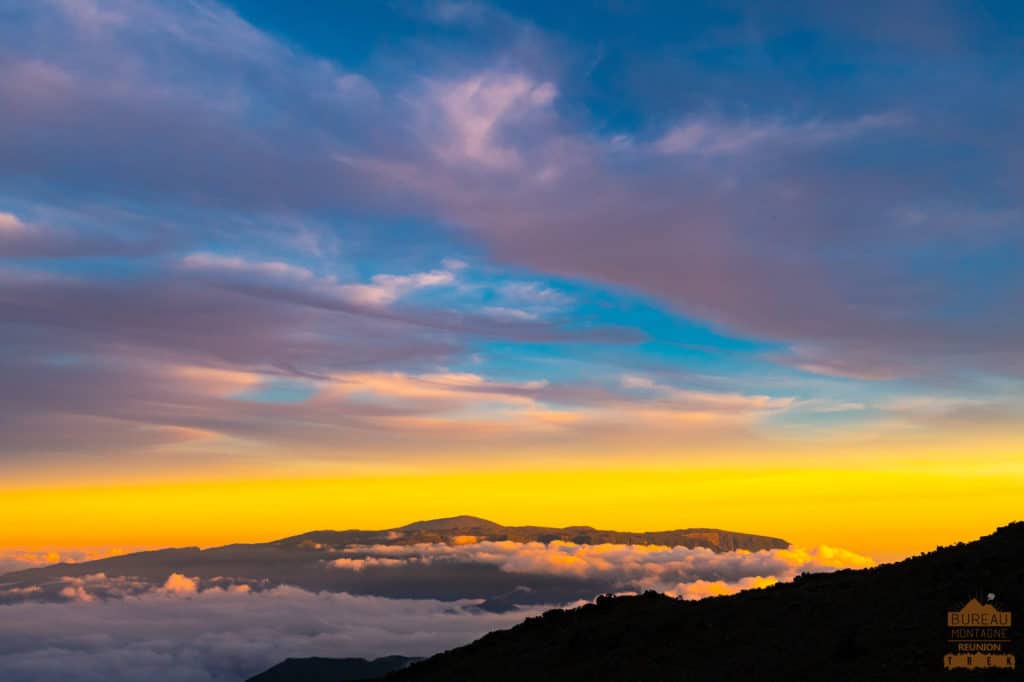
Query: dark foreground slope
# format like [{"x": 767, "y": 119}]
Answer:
[
  {"x": 886, "y": 623},
  {"x": 331, "y": 669}
]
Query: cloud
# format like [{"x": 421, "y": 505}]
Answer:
[
  {"x": 100, "y": 626},
  {"x": 456, "y": 11},
  {"x": 382, "y": 290},
  {"x": 454, "y": 264},
  {"x": 685, "y": 399},
  {"x": 215, "y": 262},
  {"x": 386, "y": 289},
  {"x": 463, "y": 567},
  {"x": 688, "y": 572},
  {"x": 77, "y": 84},
  {"x": 708, "y": 138},
  {"x": 441, "y": 386},
  {"x": 179, "y": 584},
  {"x": 505, "y": 313},
  {"x": 10, "y": 224},
  {"x": 26, "y": 240},
  {"x": 16, "y": 559},
  {"x": 699, "y": 589},
  {"x": 360, "y": 564},
  {"x": 222, "y": 635},
  {"x": 85, "y": 588},
  {"x": 801, "y": 242},
  {"x": 534, "y": 293},
  {"x": 476, "y": 112}
]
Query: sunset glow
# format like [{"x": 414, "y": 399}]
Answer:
[
  {"x": 899, "y": 512},
  {"x": 737, "y": 285}
]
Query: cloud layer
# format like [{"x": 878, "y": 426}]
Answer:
[
  {"x": 679, "y": 571},
  {"x": 179, "y": 635},
  {"x": 182, "y": 629}
]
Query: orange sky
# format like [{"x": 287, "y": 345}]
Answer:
[{"x": 886, "y": 513}]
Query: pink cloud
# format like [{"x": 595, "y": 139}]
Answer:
[{"x": 477, "y": 108}]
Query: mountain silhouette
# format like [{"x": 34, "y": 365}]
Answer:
[
  {"x": 453, "y": 524},
  {"x": 306, "y": 561},
  {"x": 879, "y": 624},
  {"x": 444, "y": 530}
]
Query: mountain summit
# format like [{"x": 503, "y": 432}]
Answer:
[{"x": 453, "y": 523}]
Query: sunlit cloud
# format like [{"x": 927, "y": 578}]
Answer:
[
  {"x": 699, "y": 589},
  {"x": 10, "y": 224},
  {"x": 15, "y": 559},
  {"x": 141, "y": 619},
  {"x": 180, "y": 584},
  {"x": 675, "y": 570},
  {"x": 223, "y": 382}
]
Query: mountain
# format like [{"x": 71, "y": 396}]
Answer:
[
  {"x": 309, "y": 561},
  {"x": 331, "y": 669},
  {"x": 452, "y": 524},
  {"x": 879, "y": 624},
  {"x": 444, "y": 530}
]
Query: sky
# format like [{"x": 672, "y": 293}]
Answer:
[{"x": 267, "y": 267}]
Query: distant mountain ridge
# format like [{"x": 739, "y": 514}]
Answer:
[
  {"x": 883, "y": 624},
  {"x": 452, "y": 523},
  {"x": 444, "y": 530},
  {"x": 308, "y": 561}
]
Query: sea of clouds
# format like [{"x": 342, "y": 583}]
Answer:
[
  {"x": 689, "y": 573},
  {"x": 179, "y": 634},
  {"x": 113, "y": 628}
]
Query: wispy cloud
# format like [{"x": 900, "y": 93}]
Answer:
[
  {"x": 686, "y": 399},
  {"x": 712, "y": 138},
  {"x": 385, "y": 289},
  {"x": 382, "y": 290},
  {"x": 212, "y": 261}
]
